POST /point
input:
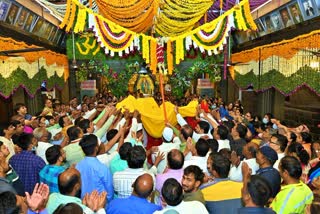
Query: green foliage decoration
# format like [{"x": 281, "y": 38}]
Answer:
[
  {"x": 19, "y": 78},
  {"x": 274, "y": 78},
  {"x": 117, "y": 81}
]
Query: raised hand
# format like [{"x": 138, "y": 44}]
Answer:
[{"x": 38, "y": 200}]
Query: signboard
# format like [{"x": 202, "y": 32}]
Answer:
[
  {"x": 88, "y": 85},
  {"x": 205, "y": 87},
  {"x": 204, "y": 83},
  {"x": 88, "y": 88}
]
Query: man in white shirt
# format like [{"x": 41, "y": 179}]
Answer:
[
  {"x": 123, "y": 180},
  {"x": 172, "y": 195},
  {"x": 221, "y": 134},
  {"x": 170, "y": 141},
  {"x": 278, "y": 143},
  {"x": 249, "y": 151},
  {"x": 42, "y": 135},
  {"x": 6, "y": 137},
  {"x": 200, "y": 157}
]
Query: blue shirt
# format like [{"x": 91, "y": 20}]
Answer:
[
  {"x": 273, "y": 177},
  {"x": 27, "y": 165},
  {"x": 95, "y": 176},
  {"x": 49, "y": 175},
  {"x": 117, "y": 164},
  {"x": 255, "y": 210},
  {"x": 132, "y": 205}
]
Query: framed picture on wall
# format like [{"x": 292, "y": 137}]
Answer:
[
  {"x": 43, "y": 30},
  {"x": 4, "y": 7},
  {"x": 48, "y": 31},
  {"x": 285, "y": 17},
  {"x": 269, "y": 28},
  {"x": 22, "y": 17},
  {"x": 57, "y": 37},
  {"x": 31, "y": 19},
  {"x": 12, "y": 14},
  {"x": 261, "y": 29},
  {"x": 53, "y": 33},
  {"x": 318, "y": 5},
  {"x": 276, "y": 20},
  {"x": 295, "y": 12},
  {"x": 37, "y": 29},
  {"x": 309, "y": 9}
]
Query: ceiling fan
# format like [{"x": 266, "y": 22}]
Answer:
[{"x": 14, "y": 53}]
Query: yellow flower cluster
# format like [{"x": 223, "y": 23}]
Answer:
[
  {"x": 180, "y": 16},
  {"x": 145, "y": 48},
  {"x": 67, "y": 15},
  {"x": 179, "y": 51},
  {"x": 81, "y": 20},
  {"x": 169, "y": 57},
  {"x": 136, "y": 15},
  {"x": 153, "y": 56},
  {"x": 72, "y": 17},
  {"x": 248, "y": 17}
]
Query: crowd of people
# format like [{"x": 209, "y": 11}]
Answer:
[{"x": 90, "y": 157}]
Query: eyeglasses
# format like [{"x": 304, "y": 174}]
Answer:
[
  {"x": 317, "y": 150},
  {"x": 276, "y": 143}
]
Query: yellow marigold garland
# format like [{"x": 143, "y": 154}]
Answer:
[
  {"x": 81, "y": 20},
  {"x": 72, "y": 16},
  {"x": 169, "y": 57},
  {"x": 136, "y": 15},
  {"x": 240, "y": 20},
  {"x": 248, "y": 17},
  {"x": 66, "y": 17},
  {"x": 153, "y": 56},
  {"x": 145, "y": 48},
  {"x": 179, "y": 50}
]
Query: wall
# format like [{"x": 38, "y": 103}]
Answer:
[
  {"x": 36, "y": 8},
  {"x": 269, "y": 7},
  {"x": 303, "y": 107}
]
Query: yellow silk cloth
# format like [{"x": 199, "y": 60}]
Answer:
[{"x": 152, "y": 115}]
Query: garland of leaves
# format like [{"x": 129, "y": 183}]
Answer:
[
  {"x": 286, "y": 85},
  {"x": 19, "y": 78}
]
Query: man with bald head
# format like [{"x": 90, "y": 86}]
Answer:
[
  {"x": 137, "y": 202},
  {"x": 175, "y": 161},
  {"x": 69, "y": 183}
]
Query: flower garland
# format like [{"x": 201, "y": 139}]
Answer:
[
  {"x": 153, "y": 56},
  {"x": 117, "y": 39},
  {"x": 179, "y": 17},
  {"x": 81, "y": 20},
  {"x": 19, "y": 78},
  {"x": 72, "y": 17},
  {"x": 169, "y": 57},
  {"x": 50, "y": 56},
  {"x": 145, "y": 49},
  {"x": 285, "y": 85},
  {"x": 67, "y": 14},
  {"x": 286, "y": 49},
  {"x": 108, "y": 41},
  {"x": 136, "y": 15}
]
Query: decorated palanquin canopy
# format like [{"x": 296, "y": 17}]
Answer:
[{"x": 123, "y": 26}]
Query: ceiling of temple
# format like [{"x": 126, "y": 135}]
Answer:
[{"x": 163, "y": 17}]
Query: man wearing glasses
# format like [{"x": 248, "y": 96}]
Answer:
[{"x": 278, "y": 143}]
